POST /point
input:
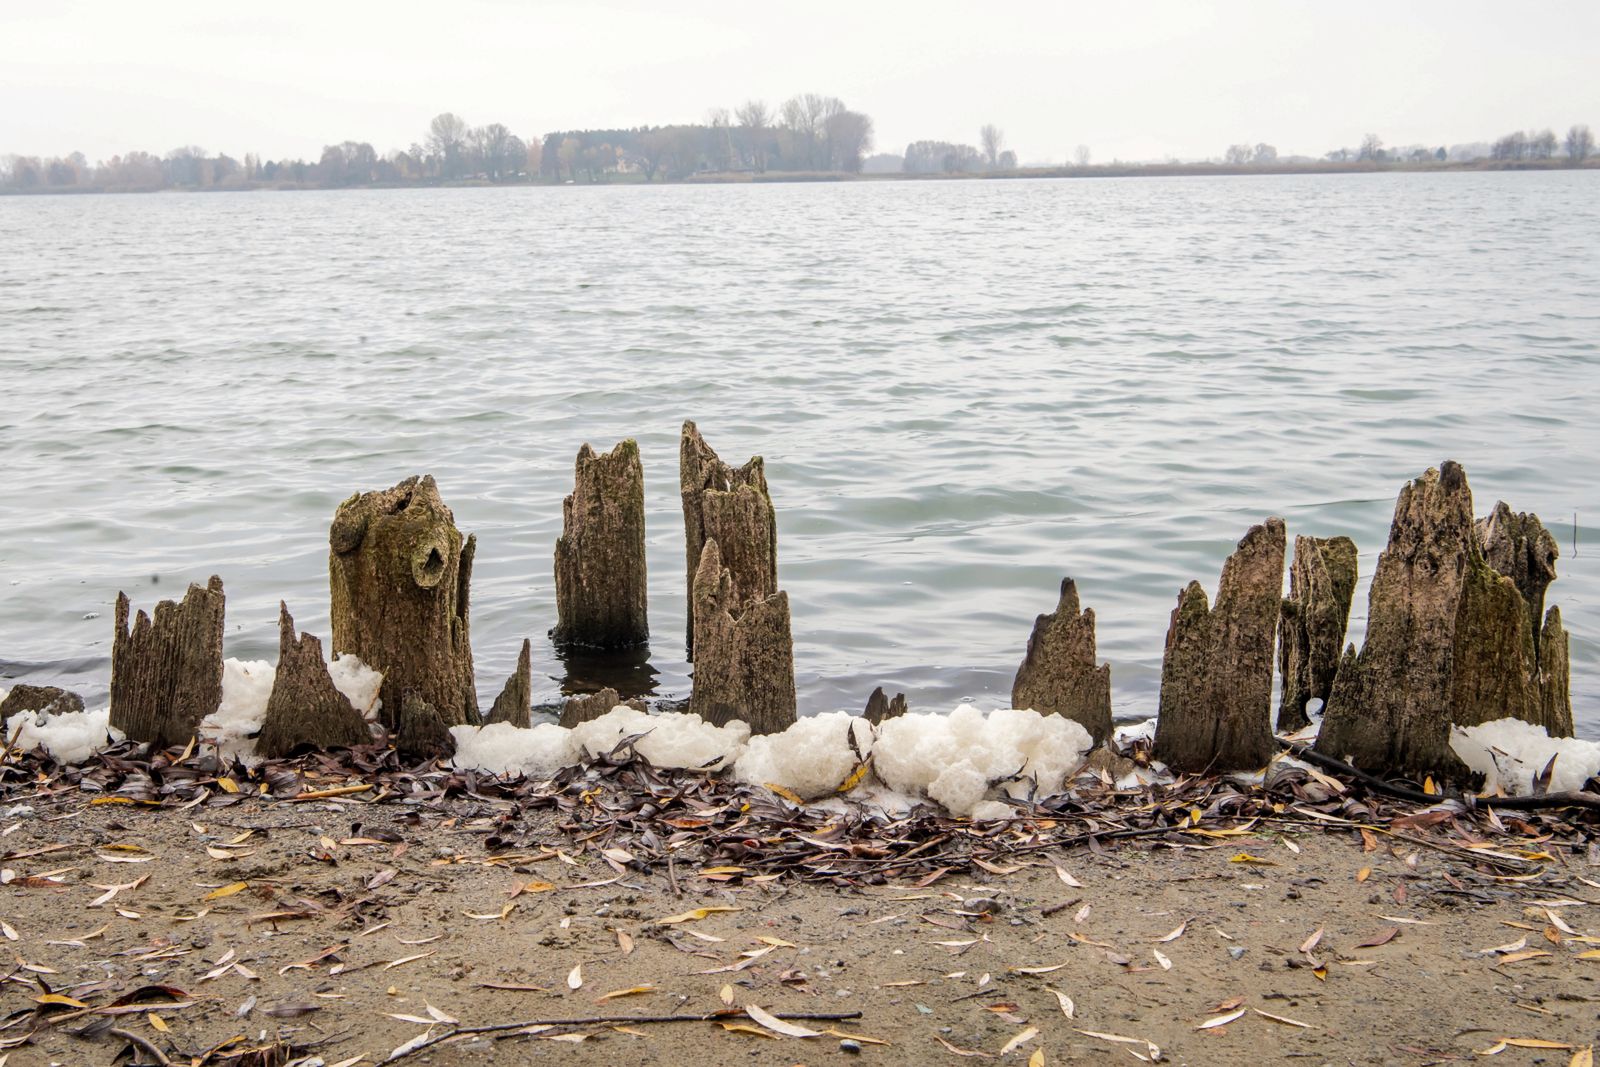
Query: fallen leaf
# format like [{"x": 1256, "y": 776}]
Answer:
[
  {"x": 1284, "y": 1019},
  {"x": 1166, "y": 964},
  {"x": 1021, "y": 1039},
  {"x": 696, "y": 914},
  {"x": 777, "y": 1025},
  {"x": 1518, "y": 957},
  {"x": 406, "y": 959},
  {"x": 1245, "y": 857},
  {"x": 575, "y": 977},
  {"x": 1062, "y": 874},
  {"x": 226, "y": 891},
  {"x": 1036, "y": 970},
  {"x": 1363, "y": 874},
  {"x": 971, "y": 1053},
  {"x": 1311, "y": 942},
  {"x": 1067, "y": 1007},
  {"x": 1221, "y": 1020},
  {"x": 1174, "y": 935},
  {"x": 631, "y": 991},
  {"x": 1382, "y": 937}
]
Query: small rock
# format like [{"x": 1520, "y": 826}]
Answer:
[
  {"x": 1236, "y": 951},
  {"x": 852, "y": 1047}
]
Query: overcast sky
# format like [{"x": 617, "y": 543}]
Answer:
[{"x": 1134, "y": 81}]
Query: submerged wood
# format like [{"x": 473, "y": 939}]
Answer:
[
  {"x": 1517, "y": 545},
  {"x": 599, "y": 564},
  {"x": 1312, "y": 622},
  {"x": 1058, "y": 673},
  {"x": 40, "y": 699},
  {"x": 1448, "y": 642},
  {"x": 1216, "y": 677},
  {"x": 515, "y": 702},
  {"x": 745, "y": 665},
  {"x": 400, "y": 575},
  {"x": 880, "y": 707},
  {"x": 166, "y": 671},
  {"x": 586, "y": 707},
  {"x": 732, "y": 506},
  {"x": 305, "y": 709},
  {"x": 423, "y": 733}
]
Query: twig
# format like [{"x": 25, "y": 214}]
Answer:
[
  {"x": 1572, "y": 799},
  {"x": 591, "y": 1020},
  {"x": 672, "y": 876},
  {"x": 143, "y": 1045}
]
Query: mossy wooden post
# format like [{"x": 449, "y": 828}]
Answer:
[
  {"x": 401, "y": 575},
  {"x": 1058, "y": 673},
  {"x": 515, "y": 702},
  {"x": 880, "y": 707},
  {"x": 600, "y": 566},
  {"x": 305, "y": 709},
  {"x": 1449, "y": 642},
  {"x": 1312, "y": 622},
  {"x": 744, "y": 668},
  {"x": 1216, "y": 677},
  {"x": 732, "y": 506},
  {"x": 166, "y": 671}
]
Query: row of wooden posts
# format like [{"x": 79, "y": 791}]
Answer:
[{"x": 1457, "y": 633}]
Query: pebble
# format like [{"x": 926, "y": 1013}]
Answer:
[
  {"x": 1236, "y": 951},
  {"x": 850, "y": 1046}
]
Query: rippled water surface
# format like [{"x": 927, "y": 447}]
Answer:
[{"x": 963, "y": 390}]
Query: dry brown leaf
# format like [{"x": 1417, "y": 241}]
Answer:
[
  {"x": 777, "y": 1025},
  {"x": 1221, "y": 1020},
  {"x": 1067, "y": 1007},
  {"x": 1018, "y": 1041},
  {"x": 1284, "y": 1019},
  {"x": 1062, "y": 874},
  {"x": 1382, "y": 937},
  {"x": 1311, "y": 942},
  {"x": 968, "y": 1052}
]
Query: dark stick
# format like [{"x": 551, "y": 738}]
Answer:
[{"x": 140, "y": 1043}]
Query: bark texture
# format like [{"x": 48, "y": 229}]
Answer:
[
  {"x": 1311, "y": 625},
  {"x": 515, "y": 702},
  {"x": 1555, "y": 675},
  {"x": 590, "y": 706},
  {"x": 44, "y": 699},
  {"x": 1216, "y": 678},
  {"x": 1058, "y": 673},
  {"x": 744, "y": 668},
  {"x": 166, "y": 671},
  {"x": 305, "y": 710},
  {"x": 1449, "y": 639},
  {"x": 880, "y": 707},
  {"x": 423, "y": 733},
  {"x": 731, "y": 506},
  {"x": 600, "y": 566},
  {"x": 400, "y": 576},
  {"x": 1517, "y": 545}
]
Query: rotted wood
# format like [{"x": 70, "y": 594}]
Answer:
[
  {"x": 880, "y": 707},
  {"x": 732, "y": 506},
  {"x": 166, "y": 670},
  {"x": 587, "y": 707},
  {"x": 40, "y": 699},
  {"x": 423, "y": 733},
  {"x": 515, "y": 702},
  {"x": 1312, "y": 623},
  {"x": 306, "y": 710},
  {"x": 745, "y": 665},
  {"x": 1058, "y": 675},
  {"x": 601, "y": 597}
]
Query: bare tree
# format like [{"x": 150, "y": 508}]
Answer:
[
  {"x": 992, "y": 139},
  {"x": 1580, "y": 142},
  {"x": 1542, "y": 145},
  {"x": 447, "y": 136},
  {"x": 1264, "y": 155},
  {"x": 1371, "y": 147},
  {"x": 849, "y": 136},
  {"x": 719, "y": 143},
  {"x": 1237, "y": 155},
  {"x": 803, "y": 116},
  {"x": 754, "y": 117},
  {"x": 1080, "y": 155},
  {"x": 1008, "y": 160}
]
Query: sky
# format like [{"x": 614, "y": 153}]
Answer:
[{"x": 1135, "y": 81}]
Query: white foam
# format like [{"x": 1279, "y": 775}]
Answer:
[
  {"x": 812, "y": 758},
  {"x": 1128, "y": 733},
  {"x": 672, "y": 739},
  {"x": 71, "y": 737},
  {"x": 1510, "y": 752},
  {"x": 964, "y": 758},
  {"x": 359, "y": 683},
  {"x": 500, "y": 748},
  {"x": 247, "y": 687}
]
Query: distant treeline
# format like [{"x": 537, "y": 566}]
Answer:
[{"x": 807, "y": 136}]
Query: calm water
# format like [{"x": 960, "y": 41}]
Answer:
[{"x": 963, "y": 391}]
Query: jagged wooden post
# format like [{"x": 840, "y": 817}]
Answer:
[
  {"x": 1517, "y": 545},
  {"x": 166, "y": 671},
  {"x": 1311, "y": 625},
  {"x": 880, "y": 707},
  {"x": 515, "y": 702},
  {"x": 41, "y": 699},
  {"x": 1216, "y": 677},
  {"x": 1058, "y": 673},
  {"x": 423, "y": 732},
  {"x": 1555, "y": 675},
  {"x": 599, "y": 565},
  {"x": 732, "y": 506},
  {"x": 1449, "y": 642},
  {"x": 305, "y": 709},
  {"x": 586, "y": 707},
  {"x": 401, "y": 575},
  {"x": 744, "y": 668}
]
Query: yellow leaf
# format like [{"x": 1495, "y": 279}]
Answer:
[
  {"x": 228, "y": 785},
  {"x": 61, "y": 999},
  {"x": 158, "y": 1022},
  {"x": 788, "y": 794},
  {"x": 1021, "y": 1039},
  {"x": 1429, "y": 788},
  {"x": 1518, "y": 957},
  {"x": 1037, "y": 1059},
  {"x": 632, "y": 991},
  {"x": 1321, "y": 973},
  {"x": 856, "y": 777},
  {"x": 1584, "y": 1057},
  {"x": 696, "y": 914},
  {"x": 746, "y": 1028},
  {"x": 1245, "y": 857},
  {"x": 1533, "y": 1042},
  {"x": 1363, "y": 874},
  {"x": 727, "y": 995},
  {"x": 1592, "y": 954},
  {"x": 776, "y": 942},
  {"x": 721, "y": 870},
  {"x": 226, "y": 891}
]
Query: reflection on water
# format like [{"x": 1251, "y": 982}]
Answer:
[{"x": 627, "y": 670}]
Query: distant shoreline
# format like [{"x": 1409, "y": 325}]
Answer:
[{"x": 1106, "y": 170}]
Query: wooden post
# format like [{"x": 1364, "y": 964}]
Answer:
[
  {"x": 1058, "y": 673},
  {"x": 42, "y": 699},
  {"x": 166, "y": 672},
  {"x": 730, "y": 505},
  {"x": 600, "y": 565},
  {"x": 1517, "y": 545},
  {"x": 305, "y": 709},
  {"x": 880, "y": 707},
  {"x": 587, "y": 707},
  {"x": 1216, "y": 678},
  {"x": 401, "y": 575},
  {"x": 515, "y": 702},
  {"x": 744, "y": 668},
  {"x": 1311, "y": 625},
  {"x": 423, "y": 732}
]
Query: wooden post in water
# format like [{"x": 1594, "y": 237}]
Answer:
[
  {"x": 305, "y": 709},
  {"x": 400, "y": 574},
  {"x": 166, "y": 671},
  {"x": 1312, "y": 622},
  {"x": 880, "y": 707},
  {"x": 730, "y": 505},
  {"x": 600, "y": 566},
  {"x": 1058, "y": 673},
  {"x": 744, "y": 665}
]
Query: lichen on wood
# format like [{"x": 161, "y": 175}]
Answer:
[
  {"x": 166, "y": 670},
  {"x": 1216, "y": 677},
  {"x": 880, "y": 707},
  {"x": 744, "y": 668},
  {"x": 1312, "y": 623},
  {"x": 515, "y": 702},
  {"x": 400, "y": 575},
  {"x": 1059, "y": 675},
  {"x": 305, "y": 709},
  {"x": 601, "y": 599},
  {"x": 732, "y": 506}
]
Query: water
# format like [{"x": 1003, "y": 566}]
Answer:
[{"x": 963, "y": 390}]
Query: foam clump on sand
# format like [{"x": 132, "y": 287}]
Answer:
[
  {"x": 506, "y": 750},
  {"x": 70, "y": 737},
  {"x": 811, "y": 759},
  {"x": 1510, "y": 753},
  {"x": 671, "y": 739},
  {"x": 960, "y": 759}
]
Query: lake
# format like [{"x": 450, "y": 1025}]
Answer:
[{"x": 964, "y": 391}]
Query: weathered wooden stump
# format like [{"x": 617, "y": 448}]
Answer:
[
  {"x": 587, "y": 707},
  {"x": 880, "y": 707},
  {"x": 1058, "y": 675},
  {"x": 166, "y": 671},
  {"x": 744, "y": 667},
  {"x": 305, "y": 710},
  {"x": 1449, "y": 641},
  {"x": 1555, "y": 675},
  {"x": 423, "y": 732},
  {"x": 730, "y": 505},
  {"x": 1517, "y": 545},
  {"x": 600, "y": 566},
  {"x": 515, "y": 702},
  {"x": 41, "y": 699},
  {"x": 1216, "y": 677},
  {"x": 401, "y": 575},
  {"x": 1311, "y": 625}
]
